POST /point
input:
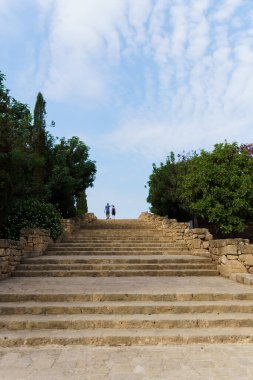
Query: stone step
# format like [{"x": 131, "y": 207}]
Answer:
[
  {"x": 122, "y": 297},
  {"x": 120, "y": 253},
  {"x": 137, "y": 242},
  {"x": 117, "y": 245},
  {"x": 114, "y": 273},
  {"x": 115, "y": 248},
  {"x": 113, "y": 225},
  {"x": 136, "y": 321},
  {"x": 114, "y": 266},
  {"x": 114, "y": 337},
  {"x": 117, "y": 238},
  {"x": 120, "y": 235},
  {"x": 126, "y": 242},
  {"x": 126, "y": 307},
  {"x": 120, "y": 230},
  {"x": 156, "y": 259}
]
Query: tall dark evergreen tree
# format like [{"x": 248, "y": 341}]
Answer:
[
  {"x": 81, "y": 203},
  {"x": 42, "y": 148}
]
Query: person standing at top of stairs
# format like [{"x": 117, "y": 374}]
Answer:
[
  {"x": 113, "y": 211},
  {"x": 107, "y": 211}
]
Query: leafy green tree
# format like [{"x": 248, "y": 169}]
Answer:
[
  {"x": 15, "y": 124},
  {"x": 164, "y": 186},
  {"x": 218, "y": 187},
  {"x": 72, "y": 174}
]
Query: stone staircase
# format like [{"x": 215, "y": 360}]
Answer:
[
  {"x": 117, "y": 248},
  {"x": 121, "y": 283}
]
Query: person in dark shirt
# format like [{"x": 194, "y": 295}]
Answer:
[{"x": 113, "y": 211}]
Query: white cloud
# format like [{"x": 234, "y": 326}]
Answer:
[
  {"x": 205, "y": 76},
  {"x": 227, "y": 8},
  {"x": 194, "y": 61}
]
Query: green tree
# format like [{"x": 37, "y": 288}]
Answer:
[
  {"x": 81, "y": 204},
  {"x": 72, "y": 174},
  {"x": 33, "y": 168},
  {"x": 15, "y": 128},
  {"x": 164, "y": 187},
  {"x": 42, "y": 146},
  {"x": 218, "y": 187}
]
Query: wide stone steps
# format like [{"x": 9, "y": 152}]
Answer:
[
  {"x": 113, "y": 266},
  {"x": 125, "y": 318},
  {"x": 126, "y": 307},
  {"x": 116, "y": 253},
  {"x": 116, "y": 249},
  {"x": 136, "y": 321},
  {"x": 115, "y": 273},
  {"x": 125, "y": 238},
  {"x": 43, "y": 296},
  {"x": 117, "y": 244},
  {"x": 105, "y": 259},
  {"x": 110, "y": 244},
  {"x": 114, "y": 337},
  {"x": 140, "y": 296}
]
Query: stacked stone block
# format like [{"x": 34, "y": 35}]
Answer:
[
  {"x": 70, "y": 225},
  {"x": 89, "y": 217},
  {"x": 34, "y": 241},
  {"x": 232, "y": 256},
  {"x": 198, "y": 241},
  {"x": 73, "y": 224},
  {"x": 173, "y": 229},
  {"x": 10, "y": 255}
]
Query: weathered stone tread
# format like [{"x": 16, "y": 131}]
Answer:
[
  {"x": 125, "y": 336},
  {"x": 116, "y": 273},
  {"x": 124, "y": 307},
  {"x": 136, "y": 321}
]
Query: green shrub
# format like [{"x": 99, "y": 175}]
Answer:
[{"x": 32, "y": 213}]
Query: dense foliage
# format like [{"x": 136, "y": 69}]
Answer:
[
  {"x": 32, "y": 213},
  {"x": 164, "y": 185},
  {"x": 215, "y": 186},
  {"x": 33, "y": 165},
  {"x": 72, "y": 173}
]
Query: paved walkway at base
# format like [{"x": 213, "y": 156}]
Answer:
[
  {"x": 142, "y": 285},
  {"x": 191, "y": 362}
]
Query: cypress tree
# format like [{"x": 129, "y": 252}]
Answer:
[{"x": 39, "y": 147}]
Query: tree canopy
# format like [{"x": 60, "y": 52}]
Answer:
[
  {"x": 215, "y": 186},
  {"x": 34, "y": 165}
]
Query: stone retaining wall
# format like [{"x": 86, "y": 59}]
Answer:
[
  {"x": 232, "y": 256},
  {"x": 70, "y": 225},
  {"x": 170, "y": 227},
  {"x": 198, "y": 241},
  {"x": 73, "y": 224},
  {"x": 89, "y": 217},
  {"x": 34, "y": 241},
  {"x": 10, "y": 255}
]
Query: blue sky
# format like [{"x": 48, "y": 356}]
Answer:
[{"x": 134, "y": 79}]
